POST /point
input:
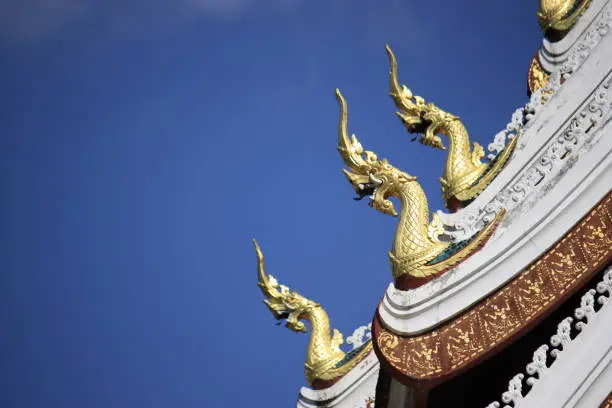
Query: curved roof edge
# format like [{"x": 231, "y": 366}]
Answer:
[
  {"x": 427, "y": 359},
  {"x": 538, "y": 123},
  {"x": 543, "y": 202},
  {"x": 572, "y": 372},
  {"x": 353, "y": 389}
]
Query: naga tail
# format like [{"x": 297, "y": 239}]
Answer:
[{"x": 477, "y": 154}]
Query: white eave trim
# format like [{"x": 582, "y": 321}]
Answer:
[
  {"x": 352, "y": 384},
  {"x": 538, "y": 214},
  {"x": 554, "y": 54},
  {"x": 570, "y": 372},
  {"x": 530, "y": 235}
]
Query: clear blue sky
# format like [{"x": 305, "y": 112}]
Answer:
[{"x": 143, "y": 145}]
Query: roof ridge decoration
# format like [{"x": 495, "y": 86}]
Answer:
[
  {"x": 560, "y": 15},
  {"x": 592, "y": 36},
  {"x": 482, "y": 329},
  {"x": 537, "y": 76},
  {"x": 465, "y": 175},
  {"x": 523, "y": 116},
  {"x": 417, "y": 245},
  {"x": 467, "y": 221},
  {"x": 544, "y": 357},
  {"x": 577, "y": 137},
  {"x": 360, "y": 336},
  {"x": 325, "y": 361}
]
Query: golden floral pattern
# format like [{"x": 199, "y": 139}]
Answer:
[
  {"x": 387, "y": 341},
  {"x": 499, "y": 318}
]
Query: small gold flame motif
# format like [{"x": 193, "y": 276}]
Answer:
[{"x": 537, "y": 78}]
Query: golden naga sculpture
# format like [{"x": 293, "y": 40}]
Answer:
[
  {"x": 560, "y": 15},
  {"x": 465, "y": 176},
  {"x": 417, "y": 251},
  {"x": 325, "y": 361}
]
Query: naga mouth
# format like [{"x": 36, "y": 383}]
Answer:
[
  {"x": 282, "y": 315},
  {"x": 365, "y": 190},
  {"x": 416, "y": 128}
]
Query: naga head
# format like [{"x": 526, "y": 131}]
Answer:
[
  {"x": 417, "y": 116},
  {"x": 560, "y": 15},
  {"x": 369, "y": 176},
  {"x": 324, "y": 351},
  {"x": 282, "y": 302}
]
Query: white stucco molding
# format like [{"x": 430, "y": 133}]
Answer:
[
  {"x": 570, "y": 372},
  {"x": 532, "y": 229},
  {"x": 583, "y": 99},
  {"x": 360, "y": 336},
  {"x": 350, "y": 391},
  {"x": 588, "y": 62},
  {"x": 356, "y": 386},
  {"x": 545, "y": 190},
  {"x": 554, "y": 54},
  {"x": 576, "y": 48}
]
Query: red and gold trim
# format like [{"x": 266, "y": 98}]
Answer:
[
  {"x": 427, "y": 359},
  {"x": 607, "y": 403}
]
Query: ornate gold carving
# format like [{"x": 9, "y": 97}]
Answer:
[
  {"x": 560, "y": 15},
  {"x": 323, "y": 354},
  {"x": 516, "y": 306},
  {"x": 388, "y": 341},
  {"x": 537, "y": 78},
  {"x": 465, "y": 176},
  {"x": 461, "y": 342},
  {"x": 498, "y": 317},
  {"x": 535, "y": 291},
  {"x": 416, "y": 240}
]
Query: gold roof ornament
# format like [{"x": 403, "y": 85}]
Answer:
[
  {"x": 560, "y": 15},
  {"x": 417, "y": 251},
  {"x": 465, "y": 175},
  {"x": 537, "y": 78},
  {"x": 325, "y": 361}
]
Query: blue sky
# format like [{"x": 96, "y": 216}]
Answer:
[{"x": 143, "y": 146}]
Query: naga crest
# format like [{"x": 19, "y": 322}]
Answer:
[
  {"x": 369, "y": 176},
  {"x": 418, "y": 117},
  {"x": 465, "y": 175},
  {"x": 325, "y": 361}
]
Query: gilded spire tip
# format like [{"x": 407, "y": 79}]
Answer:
[
  {"x": 257, "y": 248},
  {"x": 339, "y": 96}
]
